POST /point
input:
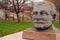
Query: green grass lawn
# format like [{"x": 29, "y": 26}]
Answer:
[
  {"x": 7, "y": 28},
  {"x": 57, "y": 24},
  {"x": 12, "y": 27}
]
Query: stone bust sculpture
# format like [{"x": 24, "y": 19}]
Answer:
[{"x": 44, "y": 14}]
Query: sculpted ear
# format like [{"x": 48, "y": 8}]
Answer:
[
  {"x": 54, "y": 16},
  {"x": 53, "y": 10},
  {"x": 53, "y": 13}
]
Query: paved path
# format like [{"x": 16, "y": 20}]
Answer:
[
  {"x": 57, "y": 33},
  {"x": 18, "y": 36},
  {"x": 15, "y": 36}
]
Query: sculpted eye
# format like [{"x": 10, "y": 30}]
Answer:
[
  {"x": 43, "y": 12},
  {"x": 46, "y": 13},
  {"x": 35, "y": 13}
]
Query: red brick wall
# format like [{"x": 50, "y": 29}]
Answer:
[{"x": 57, "y": 17}]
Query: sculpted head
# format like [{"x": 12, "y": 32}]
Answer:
[{"x": 43, "y": 15}]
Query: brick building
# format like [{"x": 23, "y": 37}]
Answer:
[{"x": 57, "y": 7}]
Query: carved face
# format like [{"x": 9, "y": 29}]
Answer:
[
  {"x": 42, "y": 19},
  {"x": 43, "y": 15}
]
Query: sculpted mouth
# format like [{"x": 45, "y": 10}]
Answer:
[{"x": 40, "y": 22}]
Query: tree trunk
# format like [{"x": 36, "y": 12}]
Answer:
[
  {"x": 59, "y": 12},
  {"x": 6, "y": 16},
  {"x": 59, "y": 16},
  {"x": 17, "y": 17},
  {"x": 22, "y": 18},
  {"x": 13, "y": 18}
]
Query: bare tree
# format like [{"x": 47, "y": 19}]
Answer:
[
  {"x": 5, "y": 9},
  {"x": 16, "y": 5}
]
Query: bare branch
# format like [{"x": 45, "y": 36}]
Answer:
[
  {"x": 22, "y": 4},
  {"x": 20, "y": 1},
  {"x": 14, "y": 5}
]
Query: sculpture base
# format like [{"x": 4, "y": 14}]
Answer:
[{"x": 34, "y": 35}]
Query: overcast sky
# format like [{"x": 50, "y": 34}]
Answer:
[
  {"x": 0, "y": 0},
  {"x": 34, "y": 0},
  {"x": 37, "y": 0}
]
